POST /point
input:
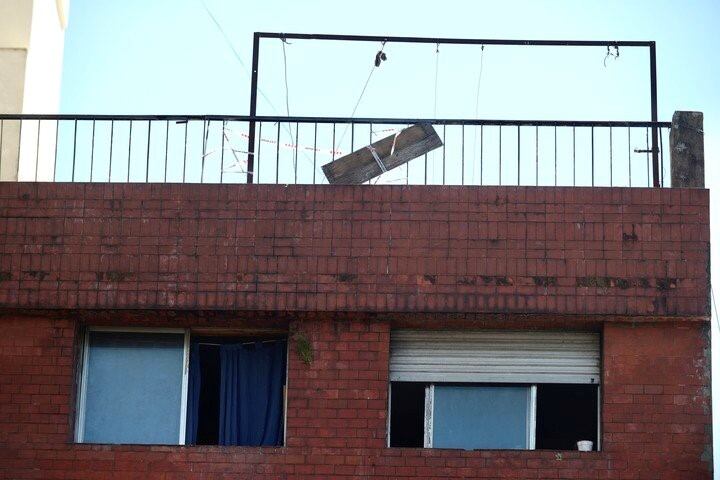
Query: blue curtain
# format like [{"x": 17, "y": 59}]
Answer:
[
  {"x": 193, "y": 400},
  {"x": 251, "y": 393}
]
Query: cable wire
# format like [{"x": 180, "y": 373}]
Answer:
[
  {"x": 234, "y": 51},
  {"x": 238, "y": 57},
  {"x": 437, "y": 65},
  {"x": 362, "y": 93},
  {"x": 287, "y": 100},
  {"x": 477, "y": 109}
]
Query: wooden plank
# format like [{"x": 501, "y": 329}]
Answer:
[{"x": 360, "y": 166}]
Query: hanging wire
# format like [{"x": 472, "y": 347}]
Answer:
[
  {"x": 287, "y": 104},
  {"x": 437, "y": 68},
  {"x": 235, "y": 52},
  {"x": 238, "y": 57},
  {"x": 477, "y": 109},
  {"x": 379, "y": 57},
  {"x": 285, "y": 71}
]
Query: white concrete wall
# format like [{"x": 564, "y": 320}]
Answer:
[{"x": 32, "y": 34}]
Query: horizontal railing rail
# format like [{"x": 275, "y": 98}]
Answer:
[
  {"x": 343, "y": 120},
  {"x": 216, "y": 149}
]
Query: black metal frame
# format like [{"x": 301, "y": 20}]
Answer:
[{"x": 457, "y": 41}]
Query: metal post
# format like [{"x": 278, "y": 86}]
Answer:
[
  {"x": 654, "y": 115},
  {"x": 253, "y": 107}
]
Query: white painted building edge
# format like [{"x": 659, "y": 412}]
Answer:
[{"x": 32, "y": 37}]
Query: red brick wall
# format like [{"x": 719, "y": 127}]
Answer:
[
  {"x": 328, "y": 248},
  {"x": 656, "y": 411}
]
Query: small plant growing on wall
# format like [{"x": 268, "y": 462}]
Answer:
[{"x": 303, "y": 347}]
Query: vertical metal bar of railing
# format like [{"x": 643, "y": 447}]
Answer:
[
  {"x": 443, "y": 156},
  {"x": 204, "y": 148},
  {"x": 500, "y": 155},
  {"x": 92, "y": 151},
  {"x": 647, "y": 154},
  {"x": 37, "y": 151},
  {"x": 481, "y": 155},
  {"x": 426, "y": 168},
  {"x": 129, "y": 149},
  {"x": 611, "y": 157},
  {"x": 407, "y": 170},
  {"x": 19, "y": 142},
  {"x": 167, "y": 139},
  {"x": 296, "y": 149},
  {"x": 537, "y": 155},
  {"x": 592, "y": 156},
  {"x": 555, "y": 154},
  {"x": 333, "y": 142},
  {"x": 185, "y": 151},
  {"x": 462, "y": 156},
  {"x": 74, "y": 150},
  {"x": 112, "y": 128},
  {"x": 147, "y": 159},
  {"x": 222, "y": 150},
  {"x": 57, "y": 132},
  {"x": 629, "y": 159},
  {"x": 277, "y": 155},
  {"x": 315, "y": 149},
  {"x": 256, "y": 164},
  {"x": 518, "y": 155},
  {"x": 369, "y": 139},
  {"x": 573, "y": 156}
]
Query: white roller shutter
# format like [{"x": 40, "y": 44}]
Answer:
[{"x": 494, "y": 356}]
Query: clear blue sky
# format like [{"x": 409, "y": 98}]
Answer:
[{"x": 166, "y": 56}]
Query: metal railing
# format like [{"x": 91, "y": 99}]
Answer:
[{"x": 287, "y": 150}]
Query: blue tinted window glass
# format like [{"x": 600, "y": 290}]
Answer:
[
  {"x": 134, "y": 388},
  {"x": 480, "y": 417}
]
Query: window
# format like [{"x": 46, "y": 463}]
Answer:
[
  {"x": 133, "y": 388},
  {"x": 494, "y": 390},
  {"x": 480, "y": 416},
  {"x": 171, "y": 387},
  {"x": 493, "y": 416}
]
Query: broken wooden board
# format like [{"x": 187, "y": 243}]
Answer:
[{"x": 360, "y": 166}]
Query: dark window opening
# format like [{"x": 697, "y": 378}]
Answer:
[
  {"x": 407, "y": 414},
  {"x": 236, "y": 391},
  {"x": 565, "y": 415},
  {"x": 209, "y": 405}
]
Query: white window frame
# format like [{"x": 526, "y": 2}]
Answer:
[
  {"x": 81, "y": 403},
  {"x": 531, "y": 413}
]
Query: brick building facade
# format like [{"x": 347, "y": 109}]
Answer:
[{"x": 339, "y": 269}]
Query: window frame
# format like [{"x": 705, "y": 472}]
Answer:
[
  {"x": 81, "y": 387},
  {"x": 82, "y": 397},
  {"x": 530, "y": 409}
]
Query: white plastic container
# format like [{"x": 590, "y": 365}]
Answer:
[{"x": 585, "y": 445}]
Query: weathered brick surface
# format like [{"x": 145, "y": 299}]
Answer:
[
  {"x": 655, "y": 411},
  {"x": 330, "y": 248}
]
